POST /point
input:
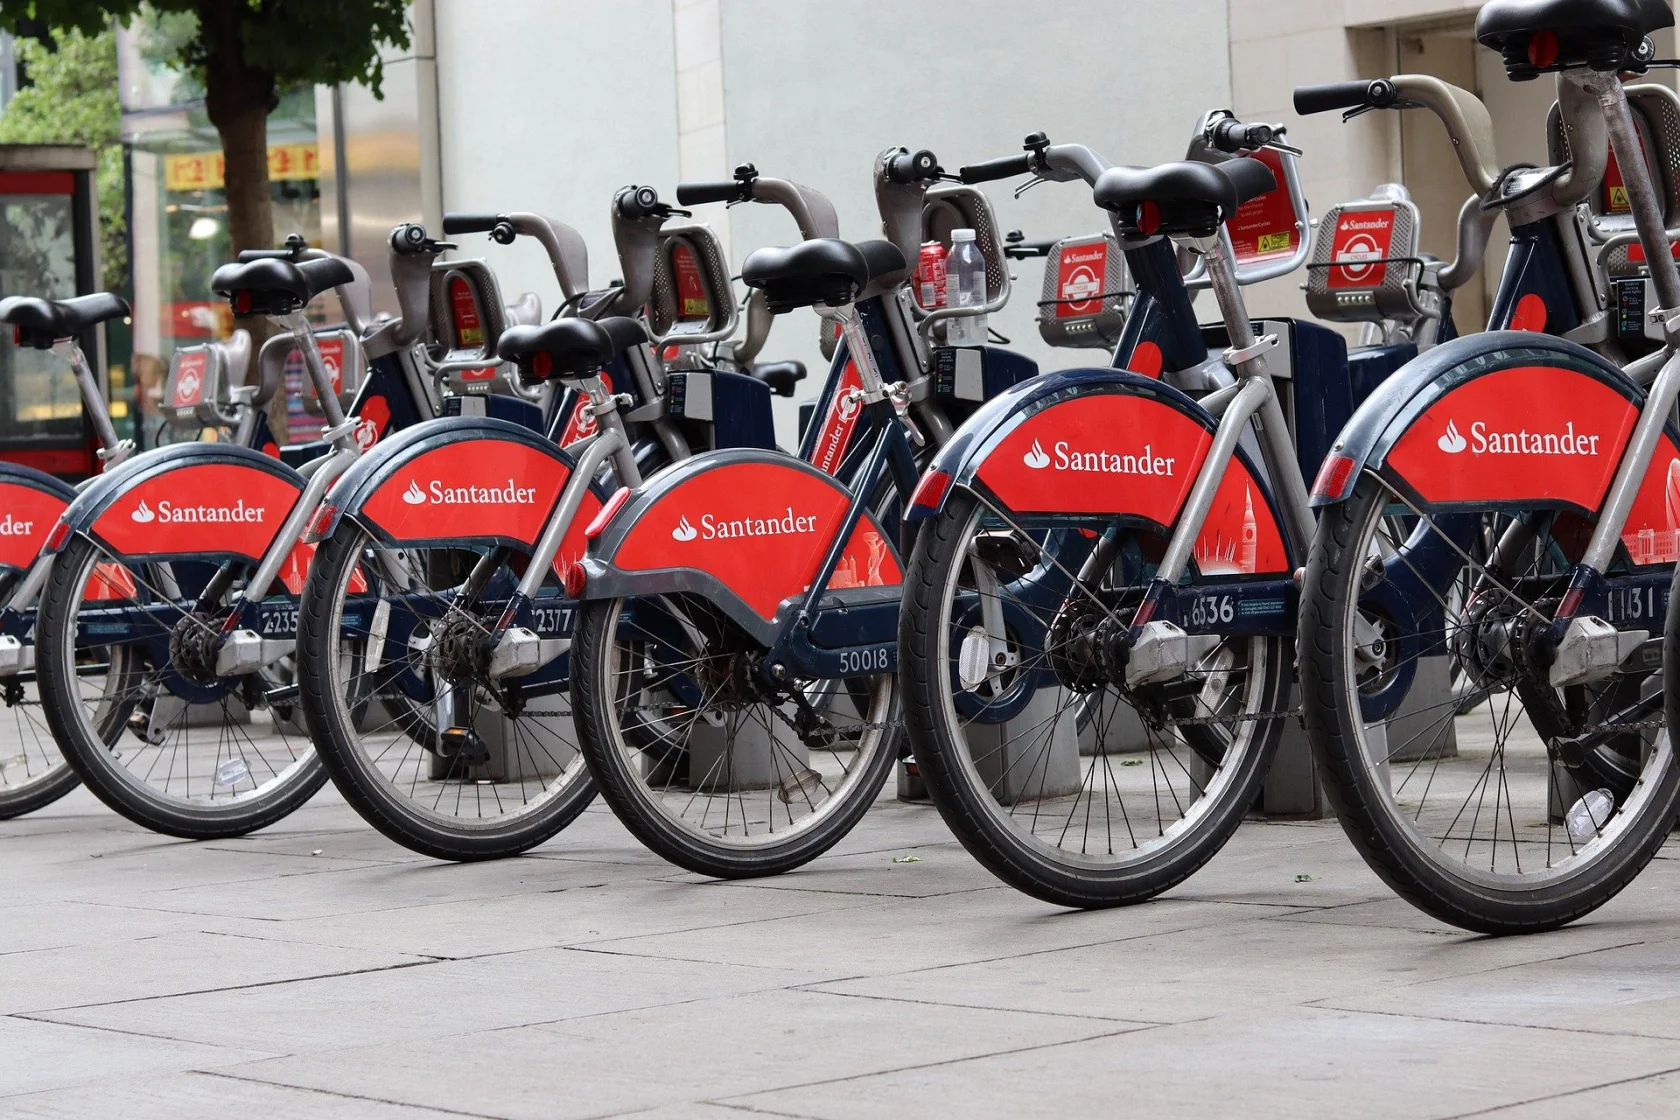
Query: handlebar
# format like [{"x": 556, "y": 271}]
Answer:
[
  {"x": 470, "y": 223},
  {"x": 1365, "y": 93},
  {"x": 913, "y": 167},
  {"x": 987, "y": 170},
  {"x": 410, "y": 238},
  {"x": 635, "y": 203},
  {"x": 697, "y": 194},
  {"x": 1232, "y": 136}
]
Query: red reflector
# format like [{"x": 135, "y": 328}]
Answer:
[
  {"x": 1146, "y": 611},
  {"x": 1571, "y": 602},
  {"x": 17, "y": 336},
  {"x": 576, "y": 578},
  {"x": 55, "y": 539},
  {"x": 1333, "y": 476},
  {"x": 604, "y": 518},
  {"x": 930, "y": 491},
  {"x": 319, "y": 523},
  {"x": 1543, "y": 48},
  {"x": 242, "y": 302},
  {"x": 542, "y": 364},
  {"x": 1149, "y": 217}
]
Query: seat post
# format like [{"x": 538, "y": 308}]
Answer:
[
  {"x": 324, "y": 391},
  {"x": 1222, "y": 278},
  {"x": 860, "y": 351},
  {"x": 111, "y": 449}
]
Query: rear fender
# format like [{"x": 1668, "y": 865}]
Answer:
[
  {"x": 461, "y": 479},
  {"x": 31, "y": 502},
  {"x": 747, "y": 529},
  {"x": 1505, "y": 417},
  {"x": 189, "y": 500},
  {"x": 1105, "y": 441}
]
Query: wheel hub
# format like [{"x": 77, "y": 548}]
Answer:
[
  {"x": 459, "y": 651},
  {"x": 192, "y": 648}
]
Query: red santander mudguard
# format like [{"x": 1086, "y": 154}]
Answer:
[
  {"x": 463, "y": 478},
  {"x": 747, "y": 529},
  {"x": 1108, "y": 442},
  {"x": 30, "y": 505},
  {"x": 194, "y": 500}
]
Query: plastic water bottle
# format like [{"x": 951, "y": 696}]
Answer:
[
  {"x": 965, "y": 286},
  {"x": 1589, "y": 814}
]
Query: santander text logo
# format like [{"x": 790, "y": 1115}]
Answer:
[
  {"x": 711, "y": 527},
  {"x": 1451, "y": 441},
  {"x": 438, "y": 494},
  {"x": 1063, "y": 456},
  {"x": 1485, "y": 440},
  {"x": 12, "y": 527},
  {"x": 173, "y": 513}
]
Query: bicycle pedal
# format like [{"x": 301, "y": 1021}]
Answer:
[{"x": 464, "y": 745}]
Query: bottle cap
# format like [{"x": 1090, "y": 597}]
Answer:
[{"x": 962, "y": 235}]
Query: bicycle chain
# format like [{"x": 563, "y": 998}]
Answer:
[{"x": 1253, "y": 717}]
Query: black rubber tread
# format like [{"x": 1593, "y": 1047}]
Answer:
[
  {"x": 591, "y": 682},
  {"x": 335, "y": 744},
  {"x": 16, "y": 801},
  {"x": 54, "y": 633},
  {"x": 1332, "y": 575},
  {"x": 960, "y": 804}
]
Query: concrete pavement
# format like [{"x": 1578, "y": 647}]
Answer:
[{"x": 315, "y": 970}]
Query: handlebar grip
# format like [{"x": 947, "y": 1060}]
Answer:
[
  {"x": 1336, "y": 95},
  {"x": 638, "y": 202},
  {"x": 408, "y": 238},
  {"x": 1006, "y": 168},
  {"x": 469, "y": 223},
  {"x": 913, "y": 167},
  {"x": 694, "y": 194}
]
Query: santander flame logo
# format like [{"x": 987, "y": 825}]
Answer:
[
  {"x": 143, "y": 513},
  {"x": 1037, "y": 459},
  {"x": 414, "y": 496},
  {"x": 1451, "y": 441},
  {"x": 684, "y": 531}
]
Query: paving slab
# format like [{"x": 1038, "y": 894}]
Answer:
[{"x": 315, "y": 969}]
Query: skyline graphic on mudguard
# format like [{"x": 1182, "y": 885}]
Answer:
[
  {"x": 210, "y": 508},
  {"x": 1652, "y": 531},
  {"x": 1533, "y": 433},
  {"x": 759, "y": 528}
]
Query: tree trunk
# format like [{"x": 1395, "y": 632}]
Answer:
[{"x": 238, "y": 99}]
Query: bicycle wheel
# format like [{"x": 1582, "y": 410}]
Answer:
[
  {"x": 1060, "y": 779},
  {"x": 142, "y": 717},
  {"x": 706, "y": 764},
  {"x": 1554, "y": 798},
  {"x": 390, "y": 651}
]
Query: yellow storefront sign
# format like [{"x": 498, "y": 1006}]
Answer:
[{"x": 203, "y": 171}]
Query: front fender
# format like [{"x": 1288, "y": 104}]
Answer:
[
  {"x": 189, "y": 499},
  {"x": 747, "y": 529},
  {"x": 1109, "y": 442}
]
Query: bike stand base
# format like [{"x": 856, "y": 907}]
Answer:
[
  {"x": 1034, "y": 755},
  {"x": 541, "y": 748},
  {"x": 734, "y": 751}
]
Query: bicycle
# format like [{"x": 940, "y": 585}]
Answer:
[{"x": 1535, "y": 473}]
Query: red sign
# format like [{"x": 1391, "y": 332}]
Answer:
[
  {"x": 487, "y": 488},
  {"x": 1265, "y": 227},
  {"x": 1361, "y": 239},
  {"x": 27, "y": 515},
  {"x": 1103, "y": 453},
  {"x": 371, "y": 420},
  {"x": 692, "y": 300},
  {"x": 581, "y": 424},
  {"x": 839, "y": 422},
  {"x": 1537, "y": 433},
  {"x": 469, "y": 327},
  {"x": 761, "y": 529},
  {"x": 211, "y": 508},
  {"x": 1081, "y": 273},
  {"x": 190, "y": 366}
]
